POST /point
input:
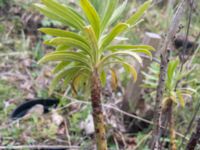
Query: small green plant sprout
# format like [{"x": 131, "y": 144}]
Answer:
[{"x": 86, "y": 50}]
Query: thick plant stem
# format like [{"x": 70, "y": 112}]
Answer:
[{"x": 97, "y": 112}]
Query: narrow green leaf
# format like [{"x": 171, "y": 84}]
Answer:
[
  {"x": 109, "y": 9},
  {"x": 64, "y": 12},
  {"x": 139, "y": 13},
  {"x": 80, "y": 79},
  {"x": 117, "y": 13},
  {"x": 62, "y": 47},
  {"x": 154, "y": 71},
  {"x": 60, "y": 66},
  {"x": 69, "y": 42},
  {"x": 91, "y": 15},
  {"x": 127, "y": 47},
  {"x": 66, "y": 56},
  {"x": 187, "y": 90},
  {"x": 150, "y": 84},
  {"x": 62, "y": 33},
  {"x": 154, "y": 68},
  {"x": 48, "y": 13},
  {"x": 72, "y": 76},
  {"x": 119, "y": 53},
  {"x": 79, "y": 15},
  {"x": 180, "y": 98},
  {"x": 144, "y": 51},
  {"x": 171, "y": 68},
  {"x": 92, "y": 40},
  {"x": 184, "y": 74},
  {"x": 150, "y": 77},
  {"x": 130, "y": 69},
  {"x": 171, "y": 73},
  {"x": 63, "y": 74},
  {"x": 119, "y": 28}
]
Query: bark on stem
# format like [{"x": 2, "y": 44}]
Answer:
[
  {"x": 157, "y": 114},
  {"x": 98, "y": 112}
]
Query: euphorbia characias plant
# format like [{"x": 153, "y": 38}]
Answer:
[{"x": 86, "y": 49}]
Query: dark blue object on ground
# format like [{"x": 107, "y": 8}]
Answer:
[{"x": 22, "y": 109}]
